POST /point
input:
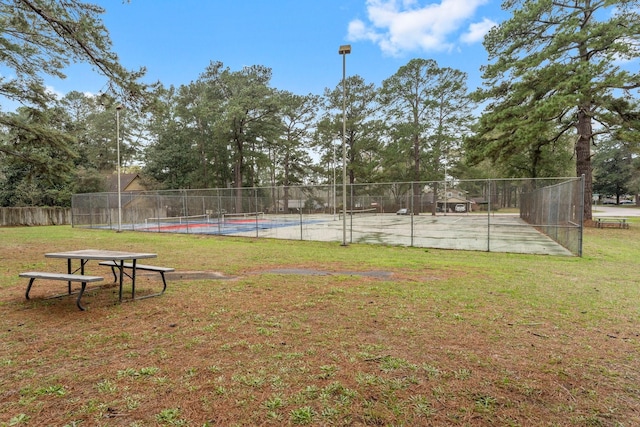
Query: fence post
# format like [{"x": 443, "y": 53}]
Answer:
[
  {"x": 350, "y": 216},
  {"x": 109, "y": 210},
  {"x": 185, "y": 208},
  {"x": 300, "y": 210},
  {"x": 411, "y": 211},
  {"x": 90, "y": 211},
  {"x": 255, "y": 199},
  {"x": 157, "y": 213},
  {"x": 489, "y": 195},
  {"x": 582, "y": 192}
]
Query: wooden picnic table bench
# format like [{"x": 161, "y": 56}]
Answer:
[
  {"x": 612, "y": 223},
  {"x": 33, "y": 275}
]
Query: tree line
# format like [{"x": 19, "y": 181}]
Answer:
[{"x": 556, "y": 91}]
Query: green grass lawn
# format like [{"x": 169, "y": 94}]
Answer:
[{"x": 312, "y": 333}]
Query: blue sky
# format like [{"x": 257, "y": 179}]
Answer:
[{"x": 298, "y": 39}]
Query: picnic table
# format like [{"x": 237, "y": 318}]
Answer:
[
  {"x": 118, "y": 260},
  {"x": 615, "y": 222}
]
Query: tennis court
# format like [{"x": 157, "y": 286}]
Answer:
[
  {"x": 542, "y": 216},
  {"x": 495, "y": 232},
  {"x": 247, "y": 224}
]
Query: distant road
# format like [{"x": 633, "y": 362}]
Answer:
[{"x": 608, "y": 210}]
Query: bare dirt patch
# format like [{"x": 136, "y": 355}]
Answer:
[
  {"x": 386, "y": 275},
  {"x": 191, "y": 275}
]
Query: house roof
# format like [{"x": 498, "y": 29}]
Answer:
[
  {"x": 451, "y": 200},
  {"x": 125, "y": 180}
]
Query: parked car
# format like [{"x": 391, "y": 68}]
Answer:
[
  {"x": 626, "y": 202},
  {"x": 460, "y": 207},
  {"x": 403, "y": 211}
]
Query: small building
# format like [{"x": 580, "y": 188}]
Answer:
[
  {"x": 447, "y": 202},
  {"x": 136, "y": 207},
  {"x": 128, "y": 182},
  {"x": 297, "y": 205}
]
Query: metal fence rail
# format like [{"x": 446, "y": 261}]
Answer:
[{"x": 527, "y": 216}]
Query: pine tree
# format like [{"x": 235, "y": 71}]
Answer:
[{"x": 558, "y": 67}]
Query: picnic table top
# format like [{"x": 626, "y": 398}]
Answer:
[{"x": 100, "y": 254}]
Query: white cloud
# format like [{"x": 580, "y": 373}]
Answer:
[
  {"x": 477, "y": 31},
  {"x": 406, "y": 25},
  {"x": 54, "y": 92},
  {"x": 634, "y": 50},
  {"x": 51, "y": 90},
  {"x": 359, "y": 31}
]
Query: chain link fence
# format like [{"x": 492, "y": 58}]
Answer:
[
  {"x": 557, "y": 210},
  {"x": 522, "y": 216}
]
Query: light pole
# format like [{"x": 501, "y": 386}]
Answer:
[
  {"x": 344, "y": 51},
  {"x": 118, "y": 108}
]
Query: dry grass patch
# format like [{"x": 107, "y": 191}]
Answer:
[{"x": 441, "y": 338}]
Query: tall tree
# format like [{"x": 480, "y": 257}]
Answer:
[
  {"x": 428, "y": 112},
  {"x": 219, "y": 127},
  {"x": 556, "y": 69},
  {"x": 613, "y": 169},
  {"x": 93, "y": 128},
  {"x": 248, "y": 107},
  {"x": 408, "y": 101},
  {"x": 24, "y": 176},
  {"x": 291, "y": 151},
  {"x": 362, "y": 138},
  {"x": 41, "y": 38},
  {"x": 197, "y": 110},
  {"x": 326, "y": 143},
  {"x": 171, "y": 158}
]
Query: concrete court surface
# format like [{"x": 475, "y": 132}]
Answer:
[
  {"x": 482, "y": 232},
  {"x": 495, "y": 232}
]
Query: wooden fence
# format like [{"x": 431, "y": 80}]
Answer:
[{"x": 34, "y": 216}]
